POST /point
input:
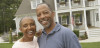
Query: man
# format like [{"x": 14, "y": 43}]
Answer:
[
  {"x": 28, "y": 28},
  {"x": 54, "y": 35}
]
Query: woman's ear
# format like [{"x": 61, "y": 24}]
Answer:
[{"x": 20, "y": 29}]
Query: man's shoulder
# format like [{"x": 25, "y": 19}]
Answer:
[{"x": 66, "y": 31}]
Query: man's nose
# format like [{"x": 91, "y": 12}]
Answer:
[{"x": 42, "y": 16}]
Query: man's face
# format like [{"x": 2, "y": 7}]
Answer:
[
  {"x": 28, "y": 27},
  {"x": 44, "y": 15}
]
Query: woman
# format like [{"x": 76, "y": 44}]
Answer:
[{"x": 28, "y": 28}]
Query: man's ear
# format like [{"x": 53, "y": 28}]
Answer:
[{"x": 53, "y": 13}]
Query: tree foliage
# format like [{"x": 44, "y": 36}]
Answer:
[{"x": 8, "y": 9}]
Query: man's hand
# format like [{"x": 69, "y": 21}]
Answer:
[{"x": 38, "y": 33}]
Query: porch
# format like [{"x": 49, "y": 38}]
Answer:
[
  {"x": 79, "y": 22},
  {"x": 67, "y": 4}
]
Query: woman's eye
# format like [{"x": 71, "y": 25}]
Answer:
[{"x": 31, "y": 24}]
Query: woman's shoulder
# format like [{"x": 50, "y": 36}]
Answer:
[{"x": 15, "y": 45}]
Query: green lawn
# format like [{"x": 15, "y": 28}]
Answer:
[
  {"x": 84, "y": 45},
  {"x": 6, "y": 45},
  {"x": 91, "y": 45}
]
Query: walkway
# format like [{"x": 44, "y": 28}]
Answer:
[
  {"x": 90, "y": 40},
  {"x": 81, "y": 41},
  {"x": 1, "y": 40}
]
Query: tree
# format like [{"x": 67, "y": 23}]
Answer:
[{"x": 8, "y": 9}]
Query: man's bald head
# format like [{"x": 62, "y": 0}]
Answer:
[{"x": 45, "y": 5}]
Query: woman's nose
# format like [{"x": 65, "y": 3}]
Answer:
[{"x": 29, "y": 27}]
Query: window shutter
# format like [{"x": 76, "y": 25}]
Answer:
[
  {"x": 57, "y": 1},
  {"x": 80, "y": 17},
  {"x": 60, "y": 19},
  {"x": 65, "y": 0},
  {"x": 67, "y": 19}
]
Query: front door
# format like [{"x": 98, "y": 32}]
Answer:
[{"x": 97, "y": 20}]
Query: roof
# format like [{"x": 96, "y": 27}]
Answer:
[{"x": 24, "y": 8}]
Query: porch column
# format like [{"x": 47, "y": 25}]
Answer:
[
  {"x": 56, "y": 17},
  {"x": 71, "y": 15},
  {"x": 55, "y": 2},
  {"x": 71, "y": 20},
  {"x": 99, "y": 15},
  {"x": 83, "y": 3},
  {"x": 16, "y": 22},
  {"x": 85, "y": 22},
  {"x": 56, "y": 14},
  {"x": 70, "y": 4}
]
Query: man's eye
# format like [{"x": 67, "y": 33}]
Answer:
[
  {"x": 46, "y": 12},
  {"x": 38, "y": 15},
  {"x": 25, "y": 26}
]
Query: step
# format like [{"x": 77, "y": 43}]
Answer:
[{"x": 94, "y": 33}]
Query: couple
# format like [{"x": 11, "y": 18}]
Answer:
[{"x": 53, "y": 35}]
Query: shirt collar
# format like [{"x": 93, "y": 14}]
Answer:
[{"x": 56, "y": 28}]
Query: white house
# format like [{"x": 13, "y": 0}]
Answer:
[{"x": 76, "y": 14}]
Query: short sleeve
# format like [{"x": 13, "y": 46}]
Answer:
[{"x": 70, "y": 40}]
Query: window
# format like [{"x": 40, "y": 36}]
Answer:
[
  {"x": 62, "y": 0},
  {"x": 34, "y": 3},
  {"x": 64, "y": 19}
]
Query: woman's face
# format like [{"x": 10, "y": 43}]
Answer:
[{"x": 28, "y": 27}]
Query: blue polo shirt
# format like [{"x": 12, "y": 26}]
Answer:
[{"x": 59, "y": 37}]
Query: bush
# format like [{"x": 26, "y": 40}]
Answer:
[
  {"x": 66, "y": 25},
  {"x": 1, "y": 34},
  {"x": 15, "y": 37},
  {"x": 76, "y": 32},
  {"x": 20, "y": 34},
  {"x": 84, "y": 36}
]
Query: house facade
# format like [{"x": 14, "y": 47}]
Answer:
[{"x": 83, "y": 15}]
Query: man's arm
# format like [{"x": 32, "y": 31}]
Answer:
[{"x": 71, "y": 40}]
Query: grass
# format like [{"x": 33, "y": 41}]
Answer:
[
  {"x": 6, "y": 45},
  {"x": 84, "y": 45},
  {"x": 91, "y": 45}
]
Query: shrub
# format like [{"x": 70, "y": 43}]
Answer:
[
  {"x": 1, "y": 34},
  {"x": 20, "y": 34},
  {"x": 76, "y": 32},
  {"x": 83, "y": 37},
  {"x": 15, "y": 38},
  {"x": 66, "y": 25}
]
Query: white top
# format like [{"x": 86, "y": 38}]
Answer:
[{"x": 31, "y": 44}]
